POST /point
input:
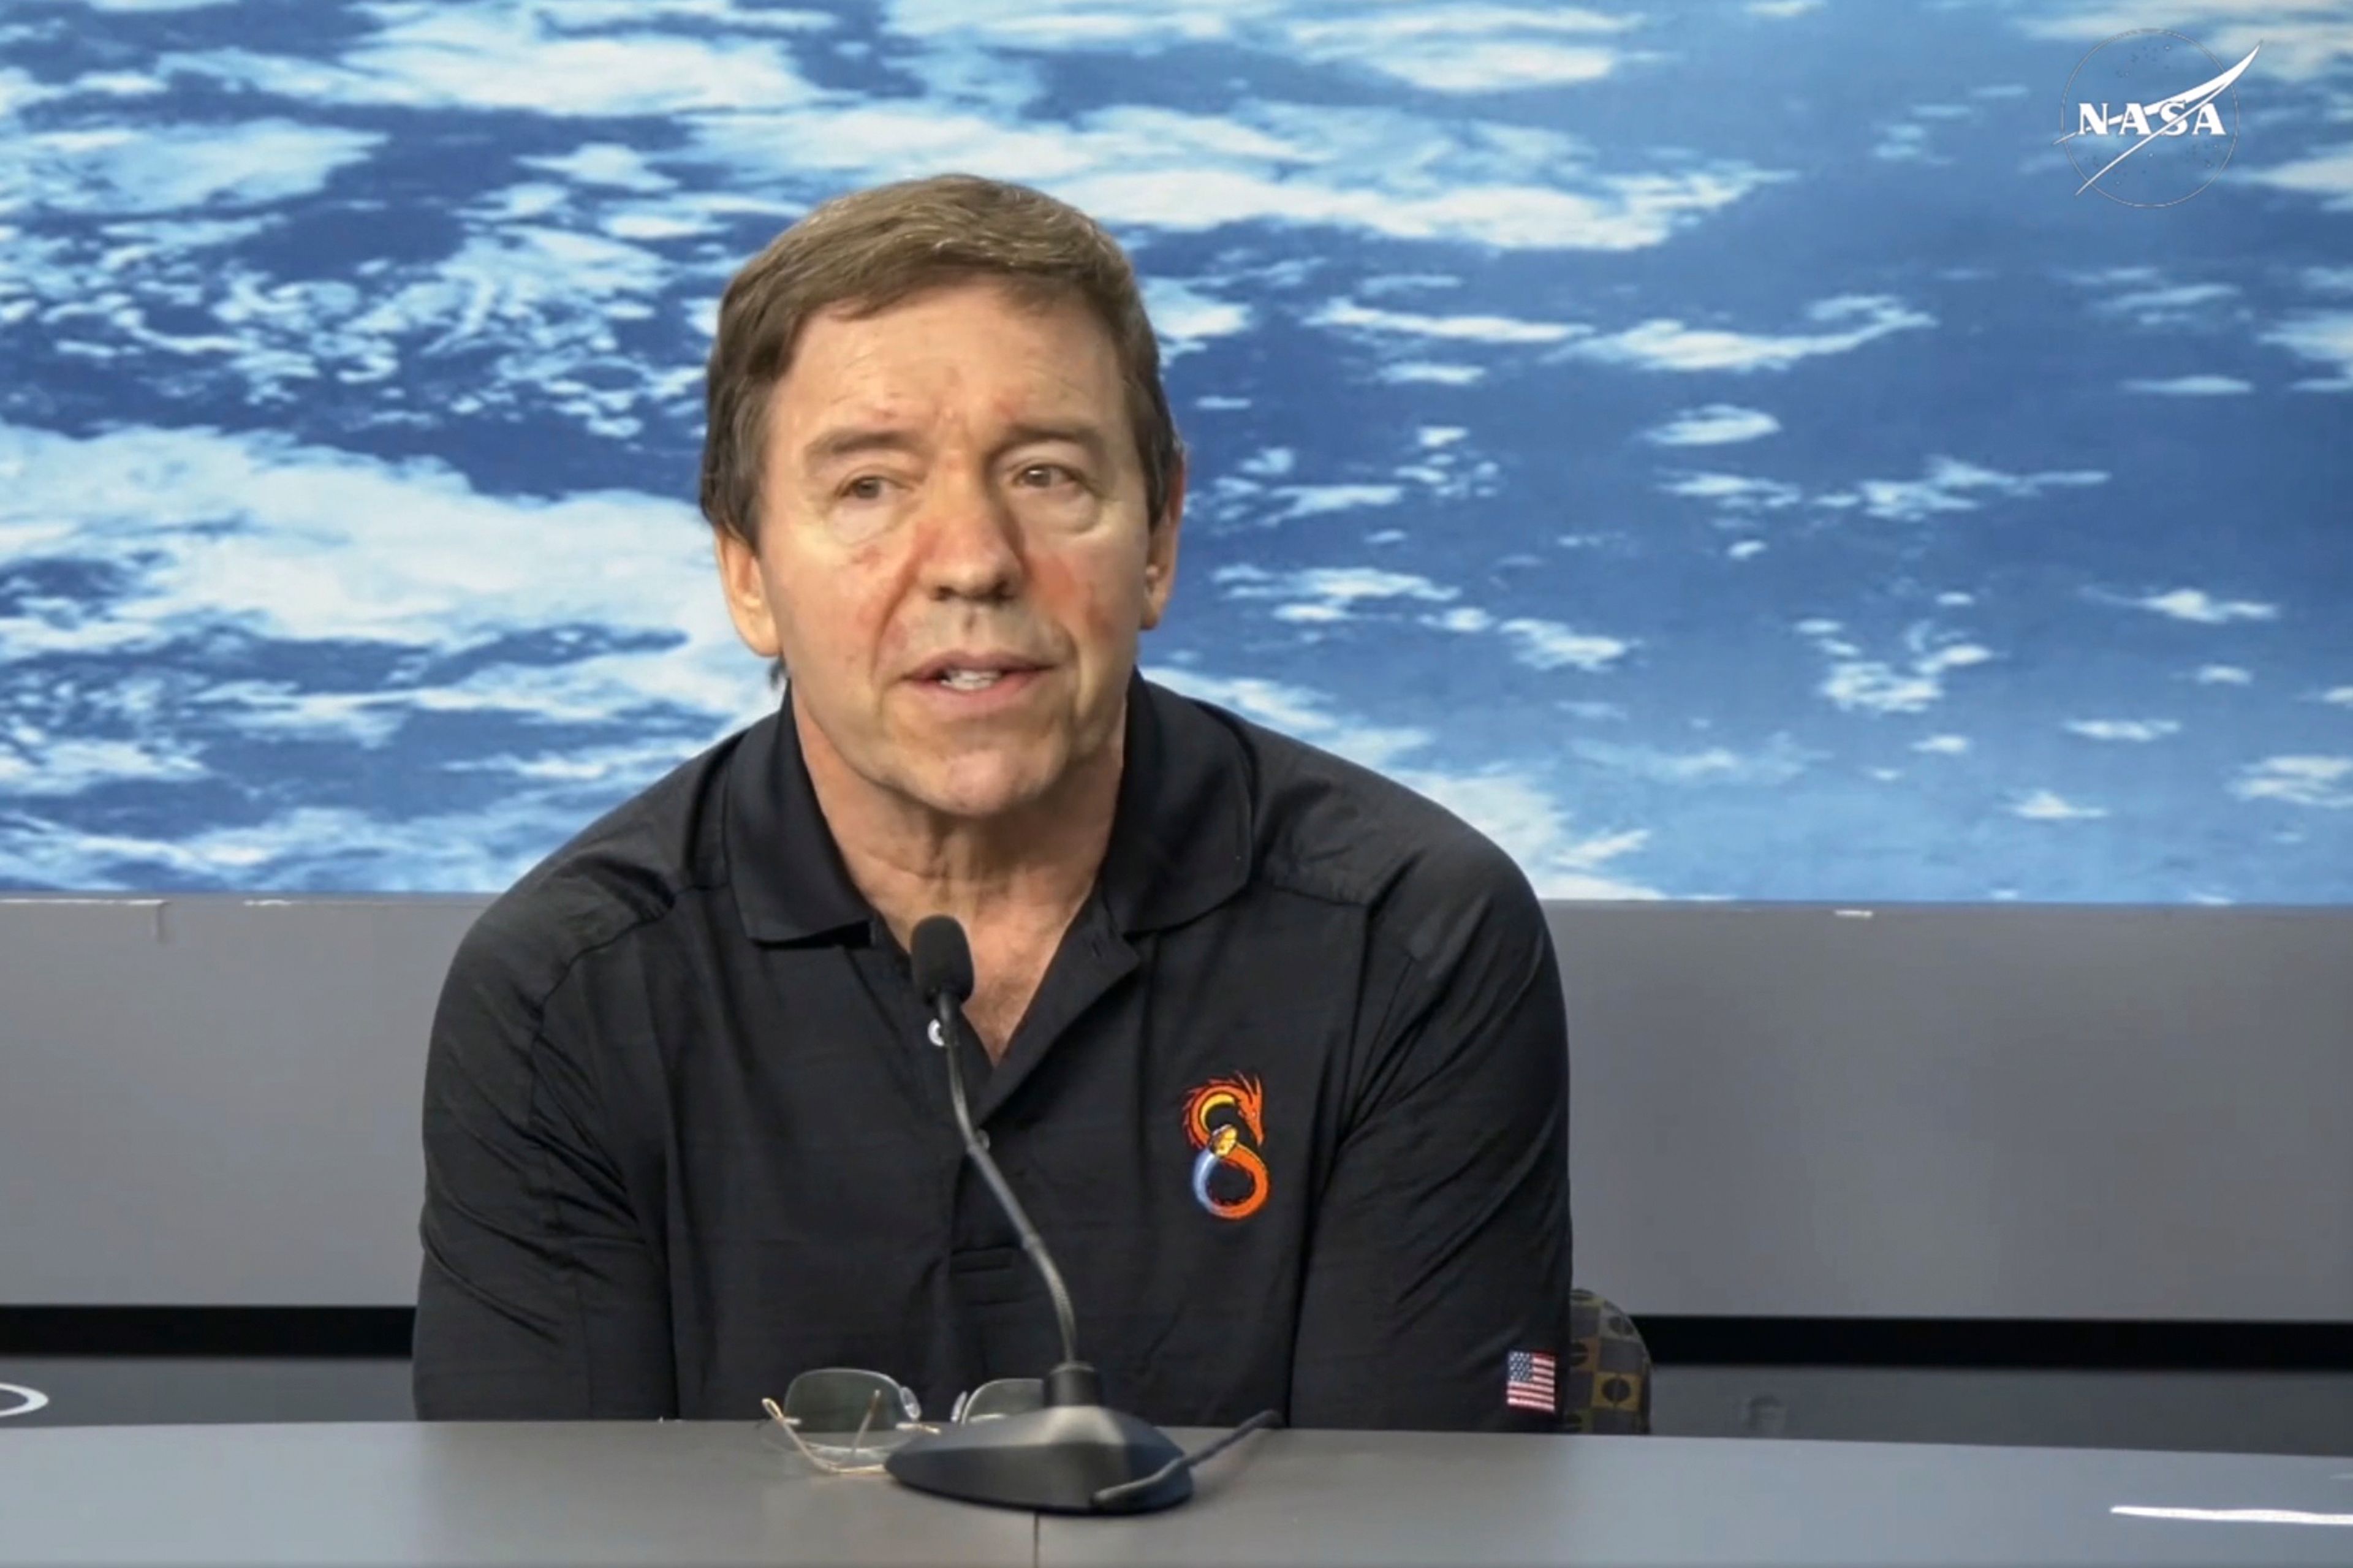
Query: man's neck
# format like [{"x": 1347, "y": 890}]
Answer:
[{"x": 1026, "y": 872}]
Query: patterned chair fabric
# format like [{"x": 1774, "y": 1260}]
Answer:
[{"x": 1607, "y": 1384}]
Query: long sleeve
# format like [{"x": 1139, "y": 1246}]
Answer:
[
  {"x": 1439, "y": 1270},
  {"x": 540, "y": 1294}
]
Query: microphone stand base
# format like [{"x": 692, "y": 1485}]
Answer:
[{"x": 1054, "y": 1460}]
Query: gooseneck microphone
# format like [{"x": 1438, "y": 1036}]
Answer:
[
  {"x": 1077, "y": 1455},
  {"x": 943, "y": 966}
]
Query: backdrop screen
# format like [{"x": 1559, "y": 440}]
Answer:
[{"x": 1723, "y": 451}]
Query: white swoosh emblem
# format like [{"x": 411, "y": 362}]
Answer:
[{"x": 2235, "y": 1515}]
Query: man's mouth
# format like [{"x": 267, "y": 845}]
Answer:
[{"x": 975, "y": 671}]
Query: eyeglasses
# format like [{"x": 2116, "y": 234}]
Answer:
[{"x": 880, "y": 1413}]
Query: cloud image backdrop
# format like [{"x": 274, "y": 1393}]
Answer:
[{"x": 1711, "y": 447}]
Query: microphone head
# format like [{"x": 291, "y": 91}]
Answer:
[{"x": 943, "y": 959}]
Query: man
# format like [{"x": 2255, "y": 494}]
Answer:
[{"x": 1272, "y": 1049}]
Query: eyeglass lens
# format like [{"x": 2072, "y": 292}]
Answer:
[
  {"x": 843, "y": 1399},
  {"x": 1005, "y": 1397}
]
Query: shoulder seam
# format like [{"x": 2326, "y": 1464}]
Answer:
[{"x": 588, "y": 949}]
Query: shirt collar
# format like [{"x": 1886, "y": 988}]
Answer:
[
  {"x": 1180, "y": 840},
  {"x": 1180, "y": 843},
  {"x": 789, "y": 880}
]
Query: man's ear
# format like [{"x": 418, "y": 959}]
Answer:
[
  {"x": 746, "y": 592},
  {"x": 1160, "y": 551}
]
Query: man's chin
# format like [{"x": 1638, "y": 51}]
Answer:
[{"x": 982, "y": 789}]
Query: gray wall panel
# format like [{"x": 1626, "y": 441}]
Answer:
[
  {"x": 1928, "y": 1110},
  {"x": 215, "y": 1100},
  {"x": 1944, "y": 1111}
]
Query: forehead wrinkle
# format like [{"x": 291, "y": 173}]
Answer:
[
  {"x": 875, "y": 385},
  {"x": 1063, "y": 352},
  {"x": 1010, "y": 418}
]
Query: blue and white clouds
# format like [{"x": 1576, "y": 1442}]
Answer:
[{"x": 1709, "y": 493}]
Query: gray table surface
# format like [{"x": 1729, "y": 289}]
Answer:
[{"x": 727, "y": 1492}]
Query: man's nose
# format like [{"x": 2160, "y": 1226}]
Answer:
[{"x": 969, "y": 547}]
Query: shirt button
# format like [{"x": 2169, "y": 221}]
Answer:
[{"x": 980, "y": 1136}]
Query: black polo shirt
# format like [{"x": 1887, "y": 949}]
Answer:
[{"x": 1290, "y": 1106}]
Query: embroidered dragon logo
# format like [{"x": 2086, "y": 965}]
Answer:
[{"x": 1225, "y": 1119}]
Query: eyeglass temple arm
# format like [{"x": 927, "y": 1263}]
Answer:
[
  {"x": 857, "y": 1440},
  {"x": 792, "y": 1429}
]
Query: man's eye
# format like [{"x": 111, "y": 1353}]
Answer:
[
  {"x": 866, "y": 487},
  {"x": 1054, "y": 474}
]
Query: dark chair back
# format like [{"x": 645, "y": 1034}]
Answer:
[{"x": 1608, "y": 1385}]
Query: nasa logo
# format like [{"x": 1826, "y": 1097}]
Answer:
[
  {"x": 24, "y": 1400},
  {"x": 2109, "y": 123}
]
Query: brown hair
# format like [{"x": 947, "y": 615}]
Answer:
[{"x": 874, "y": 249}]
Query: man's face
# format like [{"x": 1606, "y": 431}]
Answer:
[{"x": 955, "y": 560}]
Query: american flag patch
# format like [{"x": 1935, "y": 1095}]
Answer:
[{"x": 1527, "y": 1382}]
